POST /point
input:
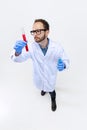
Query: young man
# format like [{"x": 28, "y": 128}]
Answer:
[{"x": 47, "y": 57}]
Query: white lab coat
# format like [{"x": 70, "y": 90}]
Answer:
[{"x": 44, "y": 67}]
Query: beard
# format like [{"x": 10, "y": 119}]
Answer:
[{"x": 37, "y": 39}]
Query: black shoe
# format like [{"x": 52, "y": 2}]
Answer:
[
  {"x": 43, "y": 93},
  {"x": 53, "y": 106}
]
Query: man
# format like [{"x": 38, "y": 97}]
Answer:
[{"x": 47, "y": 57}]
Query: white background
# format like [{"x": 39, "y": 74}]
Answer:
[{"x": 21, "y": 105}]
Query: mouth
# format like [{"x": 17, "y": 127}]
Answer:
[{"x": 36, "y": 38}]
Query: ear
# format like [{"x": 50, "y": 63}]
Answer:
[{"x": 47, "y": 32}]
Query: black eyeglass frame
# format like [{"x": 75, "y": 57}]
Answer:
[{"x": 38, "y": 31}]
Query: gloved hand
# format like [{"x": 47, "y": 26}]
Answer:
[
  {"x": 19, "y": 45},
  {"x": 60, "y": 65}
]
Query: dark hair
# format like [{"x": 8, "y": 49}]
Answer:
[{"x": 44, "y": 22}]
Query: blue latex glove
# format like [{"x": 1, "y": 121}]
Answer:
[
  {"x": 19, "y": 45},
  {"x": 60, "y": 65}
]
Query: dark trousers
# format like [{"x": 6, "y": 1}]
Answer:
[{"x": 53, "y": 95}]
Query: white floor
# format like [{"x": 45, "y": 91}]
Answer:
[{"x": 23, "y": 108}]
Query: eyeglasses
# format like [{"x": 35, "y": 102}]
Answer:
[{"x": 38, "y": 31}]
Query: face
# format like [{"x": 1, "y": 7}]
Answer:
[{"x": 38, "y": 32}]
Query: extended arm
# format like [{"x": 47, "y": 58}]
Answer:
[{"x": 18, "y": 55}]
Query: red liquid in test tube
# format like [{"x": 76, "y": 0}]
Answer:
[{"x": 24, "y": 38}]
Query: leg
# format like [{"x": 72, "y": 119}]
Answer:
[{"x": 53, "y": 100}]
